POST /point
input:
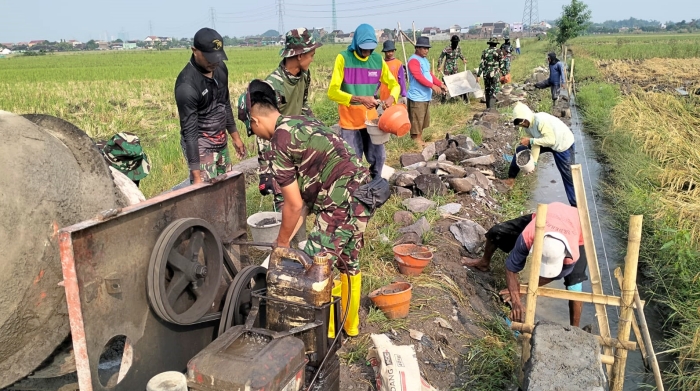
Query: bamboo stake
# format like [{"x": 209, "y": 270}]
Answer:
[
  {"x": 405, "y": 58},
  {"x": 534, "y": 280},
  {"x": 635, "y": 326},
  {"x": 571, "y": 77},
  {"x": 629, "y": 284},
  {"x": 591, "y": 256},
  {"x": 583, "y": 297},
  {"x": 647, "y": 339},
  {"x": 414, "y": 31},
  {"x": 525, "y": 328}
]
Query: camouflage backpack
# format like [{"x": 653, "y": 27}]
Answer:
[{"x": 123, "y": 152}]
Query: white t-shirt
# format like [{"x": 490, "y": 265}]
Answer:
[{"x": 517, "y": 43}]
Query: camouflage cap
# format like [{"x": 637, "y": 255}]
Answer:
[
  {"x": 123, "y": 152},
  {"x": 244, "y": 101},
  {"x": 493, "y": 40},
  {"x": 298, "y": 41}
]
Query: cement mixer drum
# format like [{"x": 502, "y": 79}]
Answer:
[{"x": 52, "y": 176}]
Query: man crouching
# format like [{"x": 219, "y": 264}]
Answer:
[{"x": 313, "y": 166}]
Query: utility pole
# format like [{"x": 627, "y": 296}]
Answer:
[
  {"x": 531, "y": 14},
  {"x": 335, "y": 18},
  {"x": 212, "y": 17},
  {"x": 150, "y": 27},
  {"x": 280, "y": 14}
]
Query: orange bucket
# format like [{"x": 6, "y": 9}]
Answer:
[
  {"x": 412, "y": 259},
  {"x": 395, "y": 120},
  {"x": 394, "y": 300}
]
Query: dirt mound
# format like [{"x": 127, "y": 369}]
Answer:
[
  {"x": 653, "y": 75},
  {"x": 52, "y": 177}
]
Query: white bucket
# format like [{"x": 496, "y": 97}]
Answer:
[
  {"x": 377, "y": 136},
  {"x": 267, "y": 233},
  {"x": 527, "y": 167}
]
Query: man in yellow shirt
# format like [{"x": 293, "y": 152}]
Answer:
[{"x": 357, "y": 72}]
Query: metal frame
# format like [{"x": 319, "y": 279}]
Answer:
[{"x": 115, "y": 247}]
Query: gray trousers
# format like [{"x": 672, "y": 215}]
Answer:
[
  {"x": 360, "y": 141},
  {"x": 554, "y": 88}
]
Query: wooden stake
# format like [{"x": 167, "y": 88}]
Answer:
[
  {"x": 403, "y": 45},
  {"x": 571, "y": 78},
  {"x": 583, "y": 297},
  {"x": 524, "y": 328},
  {"x": 647, "y": 339},
  {"x": 635, "y": 326},
  {"x": 534, "y": 281},
  {"x": 591, "y": 256},
  {"x": 629, "y": 284}
]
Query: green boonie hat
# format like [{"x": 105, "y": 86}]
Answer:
[
  {"x": 123, "y": 152},
  {"x": 298, "y": 41},
  {"x": 493, "y": 40},
  {"x": 244, "y": 101}
]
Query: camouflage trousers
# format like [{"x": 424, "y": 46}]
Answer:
[
  {"x": 213, "y": 163},
  {"x": 340, "y": 226}
]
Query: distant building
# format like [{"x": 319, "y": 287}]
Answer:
[
  {"x": 36, "y": 42},
  {"x": 75, "y": 43},
  {"x": 5, "y": 51},
  {"x": 8, "y": 45},
  {"x": 343, "y": 38},
  {"x": 431, "y": 30},
  {"x": 456, "y": 29},
  {"x": 337, "y": 32},
  {"x": 129, "y": 45}
]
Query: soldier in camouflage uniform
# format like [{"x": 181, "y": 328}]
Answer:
[
  {"x": 123, "y": 152},
  {"x": 491, "y": 68},
  {"x": 291, "y": 80},
  {"x": 315, "y": 167},
  {"x": 507, "y": 52}
]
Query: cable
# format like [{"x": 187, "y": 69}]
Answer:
[
  {"x": 402, "y": 10},
  {"x": 381, "y": 5},
  {"x": 595, "y": 206}
]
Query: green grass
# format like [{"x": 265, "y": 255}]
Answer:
[
  {"x": 669, "y": 256},
  {"x": 638, "y": 47}
]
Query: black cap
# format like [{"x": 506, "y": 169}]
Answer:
[
  {"x": 423, "y": 42},
  {"x": 210, "y": 43}
]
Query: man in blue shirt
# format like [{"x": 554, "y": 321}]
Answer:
[{"x": 557, "y": 77}]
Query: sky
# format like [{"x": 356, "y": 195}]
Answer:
[{"x": 82, "y": 20}]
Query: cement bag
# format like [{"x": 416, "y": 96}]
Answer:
[{"x": 395, "y": 367}]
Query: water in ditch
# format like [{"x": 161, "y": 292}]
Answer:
[{"x": 610, "y": 248}]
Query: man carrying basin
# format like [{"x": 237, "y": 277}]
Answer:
[
  {"x": 291, "y": 80},
  {"x": 547, "y": 134},
  {"x": 563, "y": 254},
  {"x": 315, "y": 167},
  {"x": 204, "y": 106},
  {"x": 356, "y": 74}
]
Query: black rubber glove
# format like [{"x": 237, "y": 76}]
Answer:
[{"x": 265, "y": 186}]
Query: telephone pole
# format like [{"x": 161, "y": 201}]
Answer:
[
  {"x": 335, "y": 18},
  {"x": 280, "y": 14},
  {"x": 212, "y": 17},
  {"x": 531, "y": 14}
]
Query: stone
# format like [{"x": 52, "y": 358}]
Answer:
[
  {"x": 402, "y": 192},
  {"x": 409, "y": 159},
  {"x": 479, "y": 179},
  {"x": 405, "y": 179},
  {"x": 442, "y": 173},
  {"x": 430, "y": 185},
  {"x": 486, "y": 160},
  {"x": 470, "y": 234},
  {"x": 420, "y": 227},
  {"x": 415, "y": 166},
  {"x": 461, "y": 185},
  {"x": 566, "y": 113},
  {"x": 455, "y": 154},
  {"x": 387, "y": 172},
  {"x": 432, "y": 165},
  {"x": 488, "y": 134},
  {"x": 491, "y": 118},
  {"x": 403, "y": 218},
  {"x": 425, "y": 170},
  {"x": 554, "y": 343},
  {"x": 409, "y": 238},
  {"x": 418, "y": 204},
  {"x": 429, "y": 151},
  {"x": 464, "y": 141},
  {"x": 440, "y": 146},
  {"x": 441, "y": 158},
  {"x": 540, "y": 77},
  {"x": 455, "y": 171},
  {"x": 450, "y": 209}
]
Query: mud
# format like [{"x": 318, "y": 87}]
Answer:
[
  {"x": 523, "y": 158},
  {"x": 267, "y": 222},
  {"x": 52, "y": 177}
]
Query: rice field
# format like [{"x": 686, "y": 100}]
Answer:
[{"x": 108, "y": 92}]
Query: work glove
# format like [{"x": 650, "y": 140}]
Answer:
[
  {"x": 265, "y": 185},
  {"x": 403, "y": 100}
]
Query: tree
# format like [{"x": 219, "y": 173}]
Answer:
[
  {"x": 118, "y": 40},
  {"x": 91, "y": 45},
  {"x": 575, "y": 19}
]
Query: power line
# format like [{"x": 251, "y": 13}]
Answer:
[
  {"x": 531, "y": 14},
  {"x": 398, "y": 11}
]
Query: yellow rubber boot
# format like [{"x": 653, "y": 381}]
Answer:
[
  {"x": 337, "y": 288},
  {"x": 352, "y": 324}
]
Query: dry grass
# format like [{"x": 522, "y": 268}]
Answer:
[
  {"x": 656, "y": 74},
  {"x": 673, "y": 142}
]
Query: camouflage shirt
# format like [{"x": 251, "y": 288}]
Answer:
[
  {"x": 292, "y": 99},
  {"x": 449, "y": 57},
  {"x": 303, "y": 149},
  {"x": 491, "y": 63}
]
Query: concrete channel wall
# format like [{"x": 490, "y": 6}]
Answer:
[{"x": 563, "y": 358}]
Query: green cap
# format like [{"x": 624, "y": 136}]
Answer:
[
  {"x": 123, "y": 152},
  {"x": 298, "y": 41}
]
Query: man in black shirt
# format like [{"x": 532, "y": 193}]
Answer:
[{"x": 204, "y": 106}]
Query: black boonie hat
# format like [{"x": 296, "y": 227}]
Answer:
[
  {"x": 423, "y": 42},
  {"x": 388, "y": 46},
  {"x": 210, "y": 43}
]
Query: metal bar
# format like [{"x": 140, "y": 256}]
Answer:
[{"x": 246, "y": 243}]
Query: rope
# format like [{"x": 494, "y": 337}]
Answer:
[{"x": 595, "y": 206}]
